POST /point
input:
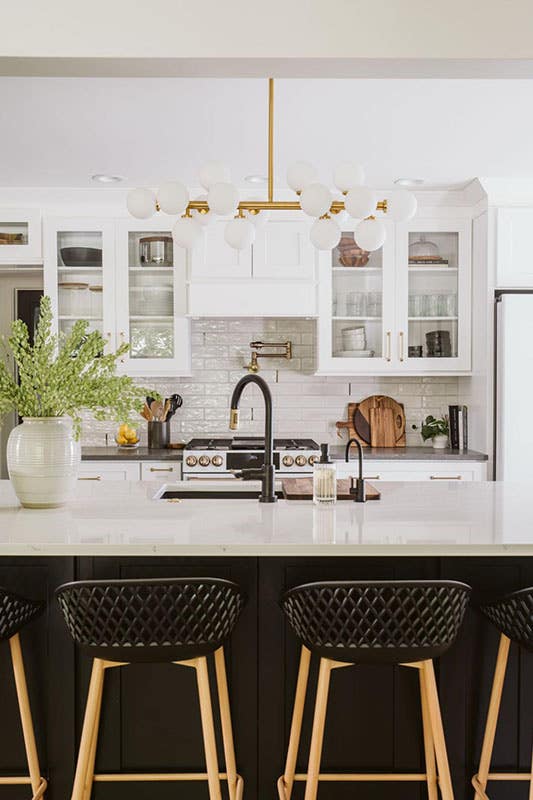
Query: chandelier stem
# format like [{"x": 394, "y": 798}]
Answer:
[{"x": 270, "y": 140}]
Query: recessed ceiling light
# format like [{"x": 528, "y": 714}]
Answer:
[
  {"x": 99, "y": 178},
  {"x": 409, "y": 181},
  {"x": 256, "y": 179}
]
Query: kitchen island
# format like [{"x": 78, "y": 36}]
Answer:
[{"x": 481, "y": 533}]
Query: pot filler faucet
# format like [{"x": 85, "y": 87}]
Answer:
[
  {"x": 266, "y": 474},
  {"x": 358, "y": 491}
]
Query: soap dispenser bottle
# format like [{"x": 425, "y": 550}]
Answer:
[{"x": 324, "y": 478}]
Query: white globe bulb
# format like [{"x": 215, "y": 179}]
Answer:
[
  {"x": 186, "y": 232},
  {"x": 325, "y": 234},
  {"x": 223, "y": 198},
  {"x": 347, "y": 175},
  {"x": 316, "y": 199},
  {"x": 300, "y": 174},
  {"x": 203, "y": 218},
  {"x": 360, "y": 202},
  {"x": 141, "y": 203},
  {"x": 214, "y": 172},
  {"x": 239, "y": 233},
  {"x": 173, "y": 197},
  {"x": 370, "y": 234},
  {"x": 401, "y": 205}
]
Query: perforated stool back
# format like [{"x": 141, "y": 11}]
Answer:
[
  {"x": 512, "y": 615},
  {"x": 15, "y": 613},
  {"x": 377, "y": 621},
  {"x": 150, "y": 620}
]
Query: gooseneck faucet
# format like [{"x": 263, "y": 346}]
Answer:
[
  {"x": 267, "y": 473},
  {"x": 358, "y": 491}
]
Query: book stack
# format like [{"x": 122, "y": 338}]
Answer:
[{"x": 458, "y": 416}]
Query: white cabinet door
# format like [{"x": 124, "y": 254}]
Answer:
[
  {"x": 397, "y": 470},
  {"x": 151, "y": 300},
  {"x": 514, "y": 261},
  {"x": 433, "y": 296},
  {"x": 214, "y": 258},
  {"x": 160, "y": 470},
  {"x": 79, "y": 273},
  {"x": 283, "y": 250},
  {"x": 20, "y": 236},
  {"x": 109, "y": 471},
  {"x": 356, "y": 308}
]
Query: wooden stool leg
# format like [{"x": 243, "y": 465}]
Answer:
[
  {"x": 286, "y": 781},
  {"x": 445, "y": 781},
  {"x": 91, "y": 712},
  {"x": 25, "y": 712},
  {"x": 89, "y": 777},
  {"x": 235, "y": 783},
  {"x": 208, "y": 729},
  {"x": 317, "y": 737},
  {"x": 429, "y": 746},
  {"x": 480, "y": 780}
]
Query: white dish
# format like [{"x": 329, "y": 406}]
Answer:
[{"x": 354, "y": 354}]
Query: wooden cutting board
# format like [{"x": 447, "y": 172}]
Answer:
[
  {"x": 302, "y": 489},
  {"x": 377, "y": 421}
]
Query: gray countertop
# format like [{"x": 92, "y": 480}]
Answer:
[{"x": 113, "y": 453}]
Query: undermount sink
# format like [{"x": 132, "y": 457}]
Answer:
[{"x": 188, "y": 490}]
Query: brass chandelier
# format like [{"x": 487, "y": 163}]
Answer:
[{"x": 313, "y": 198}]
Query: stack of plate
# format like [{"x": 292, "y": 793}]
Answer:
[{"x": 354, "y": 344}]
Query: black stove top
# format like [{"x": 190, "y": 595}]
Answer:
[{"x": 250, "y": 443}]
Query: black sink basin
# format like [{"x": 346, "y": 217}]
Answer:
[{"x": 206, "y": 494}]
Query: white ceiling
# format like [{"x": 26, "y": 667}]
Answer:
[{"x": 60, "y": 131}]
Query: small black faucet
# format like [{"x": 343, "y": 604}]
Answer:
[
  {"x": 267, "y": 473},
  {"x": 358, "y": 491}
]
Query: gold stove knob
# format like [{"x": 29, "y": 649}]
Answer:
[
  {"x": 217, "y": 461},
  {"x": 191, "y": 461},
  {"x": 287, "y": 461},
  {"x": 301, "y": 461},
  {"x": 204, "y": 461}
]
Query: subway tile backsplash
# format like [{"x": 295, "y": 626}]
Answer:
[{"x": 304, "y": 404}]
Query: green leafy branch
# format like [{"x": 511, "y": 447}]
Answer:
[{"x": 63, "y": 375}]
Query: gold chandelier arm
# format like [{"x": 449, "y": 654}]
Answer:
[{"x": 277, "y": 205}]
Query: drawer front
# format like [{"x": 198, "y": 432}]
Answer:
[
  {"x": 416, "y": 471},
  {"x": 108, "y": 471},
  {"x": 160, "y": 470}
]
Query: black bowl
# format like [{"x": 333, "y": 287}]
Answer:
[{"x": 81, "y": 256}]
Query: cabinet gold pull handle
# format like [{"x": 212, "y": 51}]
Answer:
[
  {"x": 96, "y": 478},
  {"x": 372, "y": 477},
  {"x": 401, "y": 345},
  {"x": 445, "y": 477},
  {"x": 161, "y": 469},
  {"x": 388, "y": 356}
]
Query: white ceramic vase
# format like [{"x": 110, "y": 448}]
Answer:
[
  {"x": 440, "y": 442},
  {"x": 43, "y": 461}
]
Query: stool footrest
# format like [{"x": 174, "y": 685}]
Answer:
[
  {"x": 24, "y": 780},
  {"x": 116, "y": 777},
  {"x": 365, "y": 776}
]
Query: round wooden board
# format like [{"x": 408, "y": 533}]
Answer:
[{"x": 361, "y": 418}]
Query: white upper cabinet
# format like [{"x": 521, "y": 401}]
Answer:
[
  {"x": 405, "y": 308},
  {"x": 274, "y": 277},
  {"x": 20, "y": 236},
  {"x": 283, "y": 250},
  {"x": 121, "y": 278},
  {"x": 514, "y": 250}
]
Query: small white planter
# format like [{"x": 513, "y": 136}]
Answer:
[
  {"x": 439, "y": 442},
  {"x": 43, "y": 461}
]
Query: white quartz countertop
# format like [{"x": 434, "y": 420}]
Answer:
[{"x": 121, "y": 518}]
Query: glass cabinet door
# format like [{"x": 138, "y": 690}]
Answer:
[
  {"x": 150, "y": 295},
  {"x": 434, "y": 320},
  {"x": 360, "y": 307},
  {"x": 20, "y": 236},
  {"x": 78, "y": 273}
]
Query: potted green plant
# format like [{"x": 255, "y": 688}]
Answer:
[
  {"x": 59, "y": 376},
  {"x": 435, "y": 429}
]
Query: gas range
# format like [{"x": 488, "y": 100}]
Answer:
[{"x": 212, "y": 457}]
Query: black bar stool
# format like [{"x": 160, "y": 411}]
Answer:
[
  {"x": 178, "y": 620},
  {"x": 15, "y": 613},
  {"x": 513, "y": 617},
  {"x": 366, "y": 622}
]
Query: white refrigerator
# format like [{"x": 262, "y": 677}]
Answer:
[{"x": 513, "y": 427}]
